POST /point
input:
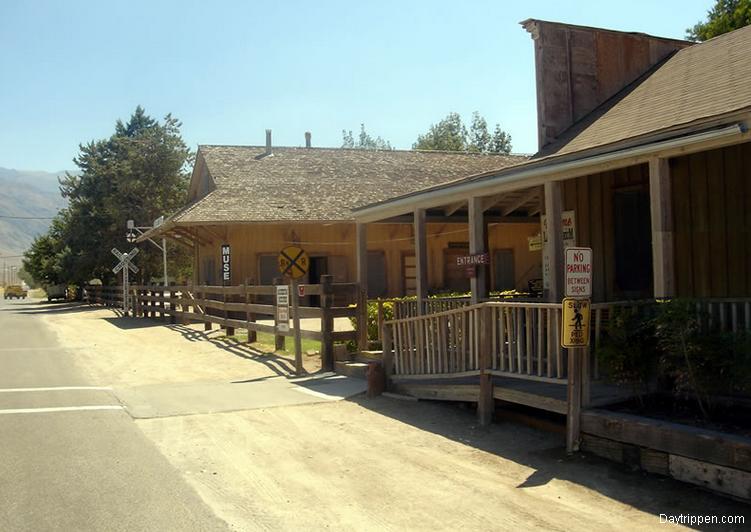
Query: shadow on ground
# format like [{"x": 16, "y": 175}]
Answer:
[
  {"x": 45, "y": 307},
  {"x": 545, "y": 453}
]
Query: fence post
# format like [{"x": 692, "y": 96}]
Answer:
[
  {"x": 172, "y": 318},
  {"x": 250, "y": 317},
  {"x": 327, "y": 323},
  {"x": 278, "y": 339},
  {"x": 485, "y": 401},
  {"x": 362, "y": 319},
  {"x": 230, "y": 330},
  {"x": 380, "y": 319},
  {"x": 206, "y": 323}
]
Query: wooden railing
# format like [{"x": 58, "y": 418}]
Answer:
[
  {"x": 235, "y": 307},
  {"x": 522, "y": 338}
]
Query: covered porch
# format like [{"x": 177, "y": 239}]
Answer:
[{"x": 665, "y": 219}]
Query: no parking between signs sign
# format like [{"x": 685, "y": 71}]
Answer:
[{"x": 578, "y": 272}]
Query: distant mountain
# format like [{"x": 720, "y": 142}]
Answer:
[{"x": 25, "y": 194}]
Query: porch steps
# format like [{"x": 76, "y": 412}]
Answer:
[
  {"x": 369, "y": 356},
  {"x": 351, "y": 368}
]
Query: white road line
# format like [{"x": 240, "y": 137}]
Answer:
[
  {"x": 61, "y": 409},
  {"x": 56, "y": 389}
]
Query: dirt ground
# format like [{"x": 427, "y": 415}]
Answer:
[{"x": 364, "y": 464}]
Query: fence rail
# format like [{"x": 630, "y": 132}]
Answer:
[{"x": 236, "y": 307}]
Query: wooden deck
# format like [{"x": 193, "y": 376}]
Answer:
[{"x": 549, "y": 396}]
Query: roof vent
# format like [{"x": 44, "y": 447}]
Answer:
[{"x": 307, "y": 139}]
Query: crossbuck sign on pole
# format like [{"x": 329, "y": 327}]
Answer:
[{"x": 126, "y": 265}]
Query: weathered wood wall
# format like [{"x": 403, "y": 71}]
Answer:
[
  {"x": 712, "y": 211},
  {"x": 249, "y": 242},
  {"x": 591, "y": 197}
]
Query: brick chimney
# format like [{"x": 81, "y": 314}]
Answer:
[{"x": 578, "y": 68}]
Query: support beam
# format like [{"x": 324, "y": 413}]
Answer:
[
  {"x": 554, "y": 244},
  {"x": 525, "y": 198},
  {"x": 478, "y": 283},
  {"x": 361, "y": 241},
  {"x": 421, "y": 259},
  {"x": 661, "y": 211},
  {"x": 451, "y": 209}
]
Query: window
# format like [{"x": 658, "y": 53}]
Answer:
[{"x": 633, "y": 242}]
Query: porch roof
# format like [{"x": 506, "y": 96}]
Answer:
[{"x": 698, "y": 89}]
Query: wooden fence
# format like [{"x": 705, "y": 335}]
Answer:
[{"x": 235, "y": 307}]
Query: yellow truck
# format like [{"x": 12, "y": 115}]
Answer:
[{"x": 15, "y": 291}]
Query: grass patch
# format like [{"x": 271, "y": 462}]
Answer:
[{"x": 265, "y": 342}]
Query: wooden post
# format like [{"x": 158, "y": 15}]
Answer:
[
  {"x": 362, "y": 279},
  {"x": 554, "y": 245},
  {"x": 421, "y": 259},
  {"x": 327, "y": 323},
  {"x": 296, "y": 324},
  {"x": 207, "y": 324},
  {"x": 250, "y": 316},
  {"x": 278, "y": 338},
  {"x": 573, "y": 417},
  {"x": 230, "y": 330},
  {"x": 172, "y": 318},
  {"x": 478, "y": 283},
  {"x": 388, "y": 355},
  {"x": 661, "y": 211},
  {"x": 485, "y": 402}
]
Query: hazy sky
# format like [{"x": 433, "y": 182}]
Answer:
[{"x": 231, "y": 69}]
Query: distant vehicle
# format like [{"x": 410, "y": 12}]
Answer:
[
  {"x": 56, "y": 291},
  {"x": 15, "y": 291}
]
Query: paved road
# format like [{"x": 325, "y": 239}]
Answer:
[{"x": 70, "y": 457}]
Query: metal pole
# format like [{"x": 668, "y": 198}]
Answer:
[
  {"x": 296, "y": 324},
  {"x": 125, "y": 289},
  {"x": 164, "y": 260}
]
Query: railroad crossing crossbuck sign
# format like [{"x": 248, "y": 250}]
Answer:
[
  {"x": 126, "y": 266},
  {"x": 293, "y": 262}
]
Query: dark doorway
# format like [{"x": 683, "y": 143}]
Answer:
[
  {"x": 633, "y": 243},
  {"x": 455, "y": 276},
  {"x": 318, "y": 267},
  {"x": 377, "y": 274},
  {"x": 503, "y": 269}
]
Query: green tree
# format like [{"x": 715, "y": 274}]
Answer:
[
  {"x": 139, "y": 173},
  {"x": 364, "y": 141},
  {"x": 450, "y": 134},
  {"x": 725, "y": 16}
]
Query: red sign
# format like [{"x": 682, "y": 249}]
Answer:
[
  {"x": 301, "y": 290},
  {"x": 473, "y": 260},
  {"x": 578, "y": 272}
]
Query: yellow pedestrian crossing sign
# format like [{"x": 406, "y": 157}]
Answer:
[
  {"x": 575, "y": 322},
  {"x": 293, "y": 262}
]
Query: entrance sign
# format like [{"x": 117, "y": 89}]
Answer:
[
  {"x": 226, "y": 265},
  {"x": 578, "y": 272},
  {"x": 282, "y": 308},
  {"x": 575, "y": 323},
  {"x": 293, "y": 262},
  {"x": 473, "y": 260}
]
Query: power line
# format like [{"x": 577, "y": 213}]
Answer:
[{"x": 26, "y": 217}]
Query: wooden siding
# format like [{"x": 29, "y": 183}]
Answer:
[
  {"x": 591, "y": 197},
  {"x": 712, "y": 210},
  {"x": 249, "y": 242}
]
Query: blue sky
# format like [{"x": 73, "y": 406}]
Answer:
[{"x": 231, "y": 69}]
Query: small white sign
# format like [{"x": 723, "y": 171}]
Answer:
[
  {"x": 282, "y": 308},
  {"x": 578, "y": 272}
]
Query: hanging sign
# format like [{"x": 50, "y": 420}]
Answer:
[
  {"x": 226, "y": 265},
  {"x": 568, "y": 235},
  {"x": 578, "y": 272},
  {"x": 575, "y": 323},
  {"x": 282, "y": 308}
]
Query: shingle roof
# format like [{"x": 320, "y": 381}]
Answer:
[
  {"x": 320, "y": 184},
  {"x": 706, "y": 80}
]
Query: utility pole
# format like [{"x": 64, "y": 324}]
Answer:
[{"x": 131, "y": 237}]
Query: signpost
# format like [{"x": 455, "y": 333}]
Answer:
[
  {"x": 575, "y": 328},
  {"x": 126, "y": 265},
  {"x": 293, "y": 264}
]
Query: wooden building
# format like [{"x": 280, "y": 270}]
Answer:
[
  {"x": 645, "y": 140},
  {"x": 262, "y": 199}
]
